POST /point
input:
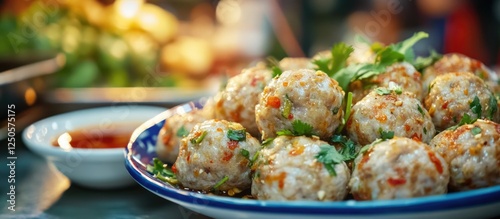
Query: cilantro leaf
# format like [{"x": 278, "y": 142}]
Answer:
[
  {"x": 298, "y": 128},
  {"x": 329, "y": 156},
  {"x": 348, "y": 150},
  {"x": 475, "y": 107},
  {"x": 339, "y": 54},
  {"x": 245, "y": 153},
  {"x": 423, "y": 62},
  {"x": 466, "y": 119},
  {"x": 182, "y": 132},
  {"x": 237, "y": 135},
  {"x": 161, "y": 171},
  {"x": 368, "y": 146},
  {"x": 493, "y": 107},
  {"x": 385, "y": 134},
  {"x": 476, "y": 130},
  {"x": 274, "y": 65},
  {"x": 382, "y": 91}
]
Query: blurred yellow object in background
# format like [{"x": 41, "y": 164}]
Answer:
[
  {"x": 159, "y": 23},
  {"x": 188, "y": 54}
]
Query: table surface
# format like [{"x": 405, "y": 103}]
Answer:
[{"x": 43, "y": 192}]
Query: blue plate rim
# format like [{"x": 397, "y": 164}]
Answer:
[{"x": 446, "y": 202}]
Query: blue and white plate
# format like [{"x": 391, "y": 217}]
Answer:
[{"x": 480, "y": 203}]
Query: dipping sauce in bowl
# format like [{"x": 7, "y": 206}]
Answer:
[{"x": 90, "y": 138}]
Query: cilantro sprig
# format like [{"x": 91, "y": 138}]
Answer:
[
  {"x": 385, "y": 56},
  {"x": 330, "y": 157},
  {"x": 298, "y": 128},
  {"x": 348, "y": 149},
  {"x": 475, "y": 107},
  {"x": 222, "y": 181},
  {"x": 384, "y": 135},
  {"x": 466, "y": 119},
  {"x": 273, "y": 64},
  {"x": 421, "y": 63},
  {"x": 161, "y": 171}
]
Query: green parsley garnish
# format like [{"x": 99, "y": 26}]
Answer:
[
  {"x": 382, "y": 91},
  {"x": 287, "y": 107},
  {"x": 339, "y": 54},
  {"x": 161, "y": 171},
  {"x": 348, "y": 149},
  {"x": 398, "y": 90},
  {"x": 347, "y": 113},
  {"x": 274, "y": 66},
  {"x": 222, "y": 181},
  {"x": 493, "y": 107},
  {"x": 419, "y": 108},
  {"x": 368, "y": 146},
  {"x": 385, "y": 134},
  {"x": 267, "y": 141},
  {"x": 475, "y": 107},
  {"x": 237, "y": 135},
  {"x": 329, "y": 156},
  {"x": 386, "y": 56},
  {"x": 298, "y": 128},
  {"x": 466, "y": 119},
  {"x": 182, "y": 132},
  {"x": 476, "y": 130},
  {"x": 198, "y": 139},
  {"x": 421, "y": 63},
  {"x": 245, "y": 153}
]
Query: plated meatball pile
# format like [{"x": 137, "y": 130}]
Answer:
[{"x": 297, "y": 135}]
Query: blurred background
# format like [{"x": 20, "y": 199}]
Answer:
[{"x": 191, "y": 44}]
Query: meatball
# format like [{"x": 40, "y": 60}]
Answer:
[
  {"x": 237, "y": 101},
  {"x": 455, "y": 62},
  {"x": 472, "y": 152},
  {"x": 216, "y": 155},
  {"x": 300, "y": 96},
  {"x": 398, "y": 168},
  {"x": 295, "y": 64},
  {"x": 287, "y": 169},
  {"x": 384, "y": 112},
  {"x": 401, "y": 74},
  {"x": 176, "y": 128},
  {"x": 454, "y": 94}
]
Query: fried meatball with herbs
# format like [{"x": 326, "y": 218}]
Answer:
[
  {"x": 455, "y": 62},
  {"x": 237, "y": 101},
  {"x": 176, "y": 128},
  {"x": 401, "y": 74},
  {"x": 300, "y": 96},
  {"x": 472, "y": 152},
  {"x": 289, "y": 169},
  {"x": 216, "y": 156},
  {"x": 398, "y": 168},
  {"x": 454, "y": 94},
  {"x": 384, "y": 110}
]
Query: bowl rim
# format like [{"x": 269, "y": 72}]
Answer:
[{"x": 48, "y": 150}]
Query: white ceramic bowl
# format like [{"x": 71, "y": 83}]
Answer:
[{"x": 93, "y": 168}]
